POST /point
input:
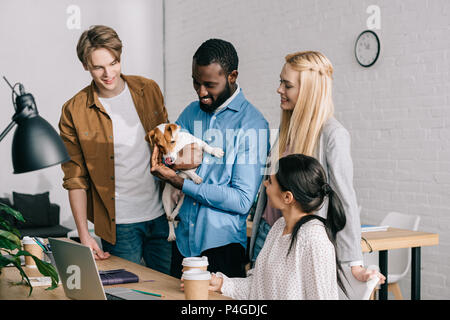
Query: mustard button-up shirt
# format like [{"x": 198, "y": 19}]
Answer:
[{"x": 87, "y": 132}]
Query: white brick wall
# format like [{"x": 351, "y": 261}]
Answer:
[{"x": 396, "y": 111}]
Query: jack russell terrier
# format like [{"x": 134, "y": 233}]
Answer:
[{"x": 170, "y": 140}]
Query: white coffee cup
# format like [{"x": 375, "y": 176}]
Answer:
[
  {"x": 196, "y": 284},
  {"x": 200, "y": 263},
  {"x": 32, "y": 247}
]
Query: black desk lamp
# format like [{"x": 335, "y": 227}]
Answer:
[{"x": 36, "y": 145}]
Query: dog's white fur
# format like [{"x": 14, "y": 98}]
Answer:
[{"x": 178, "y": 140}]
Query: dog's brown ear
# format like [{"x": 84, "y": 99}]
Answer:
[
  {"x": 150, "y": 137},
  {"x": 159, "y": 139},
  {"x": 169, "y": 130},
  {"x": 172, "y": 127}
]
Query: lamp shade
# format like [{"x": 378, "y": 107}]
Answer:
[{"x": 36, "y": 145}]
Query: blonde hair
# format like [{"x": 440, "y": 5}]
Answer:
[
  {"x": 300, "y": 128},
  {"x": 98, "y": 37}
]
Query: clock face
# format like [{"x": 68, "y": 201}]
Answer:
[{"x": 367, "y": 48}]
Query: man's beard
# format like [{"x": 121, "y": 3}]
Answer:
[{"x": 223, "y": 96}]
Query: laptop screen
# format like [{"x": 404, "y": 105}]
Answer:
[{"x": 77, "y": 269}]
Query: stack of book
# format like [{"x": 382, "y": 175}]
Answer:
[
  {"x": 371, "y": 228},
  {"x": 118, "y": 276}
]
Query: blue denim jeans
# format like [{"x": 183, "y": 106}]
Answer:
[
  {"x": 261, "y": 236},
  {"x": 147, "y": 240}
]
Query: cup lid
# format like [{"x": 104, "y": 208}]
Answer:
[
  {"x": 195, "y": 262},
  {"x": 196, "y": 275},
  {"x": 28, "y": 240}
]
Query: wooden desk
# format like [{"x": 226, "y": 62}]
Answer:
[
  {"x": 162, "y": 284},
  {"x": 393, "y": 238}
]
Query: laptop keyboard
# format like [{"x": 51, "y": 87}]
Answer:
[{"x": 112, "y": 297}]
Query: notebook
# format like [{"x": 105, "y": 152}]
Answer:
[
  {"x": 118, "y": 276},
  {"x": 371, "y": 228}
]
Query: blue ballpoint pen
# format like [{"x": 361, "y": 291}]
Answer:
[
  {"x": 46, "y": 246},
  {"x": 40, "y": 244}
]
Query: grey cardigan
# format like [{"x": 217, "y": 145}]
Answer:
[{"x": 335, "y": 157}]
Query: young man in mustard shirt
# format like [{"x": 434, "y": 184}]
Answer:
[{"x": 108, "y": 178}]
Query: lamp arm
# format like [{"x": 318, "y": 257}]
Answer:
[
  {"x": 9, "y": 84},
  {"x": 8, "y": 129},
  {"x": 13, "y": 123}
]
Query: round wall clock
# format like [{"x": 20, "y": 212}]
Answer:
[{"x": 367, "y": 48}]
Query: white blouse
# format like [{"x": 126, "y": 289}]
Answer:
[{"x": 307, "y": 273}]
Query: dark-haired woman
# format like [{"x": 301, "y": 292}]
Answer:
[{"x": 298, "y": 260}]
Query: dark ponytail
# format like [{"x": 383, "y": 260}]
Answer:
[
  {"x": 336, "y": 219},
  {"x": 335, "y": 222},
  {"x": 305, "y": 178}
]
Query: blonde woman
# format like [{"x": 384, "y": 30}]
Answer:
[{"x": 308, "y": 127}]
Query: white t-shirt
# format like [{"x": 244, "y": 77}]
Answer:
[
  {"x": 137, "y": 192},
  {"x": 307, "y": 273}
]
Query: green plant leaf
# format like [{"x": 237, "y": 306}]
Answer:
[
  {"x": 25, "y": 278},
  {"x": 16, "y": 214},
  {"x": 45, "y": 268},
  {"x": 10, "y": 240},
  {"x": 5, "y": 225},
  {"x": 15, "y": 260},
  {"x": 4, "y": 261},
  {"x": 8, "y": 244},
  {"x": 48, "y": 270},
  {"x": 11, "y": 237}
]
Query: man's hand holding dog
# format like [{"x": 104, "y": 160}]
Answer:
[
  {"x": 164, "y": 173},
  {"x": 189, "y": 157}
]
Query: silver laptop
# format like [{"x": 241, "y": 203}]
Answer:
[{"x": 79, "y": 275}]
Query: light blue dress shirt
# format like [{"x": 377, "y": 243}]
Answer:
[{"x": 214, "y": 212}]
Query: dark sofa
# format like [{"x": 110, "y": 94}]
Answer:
[{"x": 41, "y": 216}]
